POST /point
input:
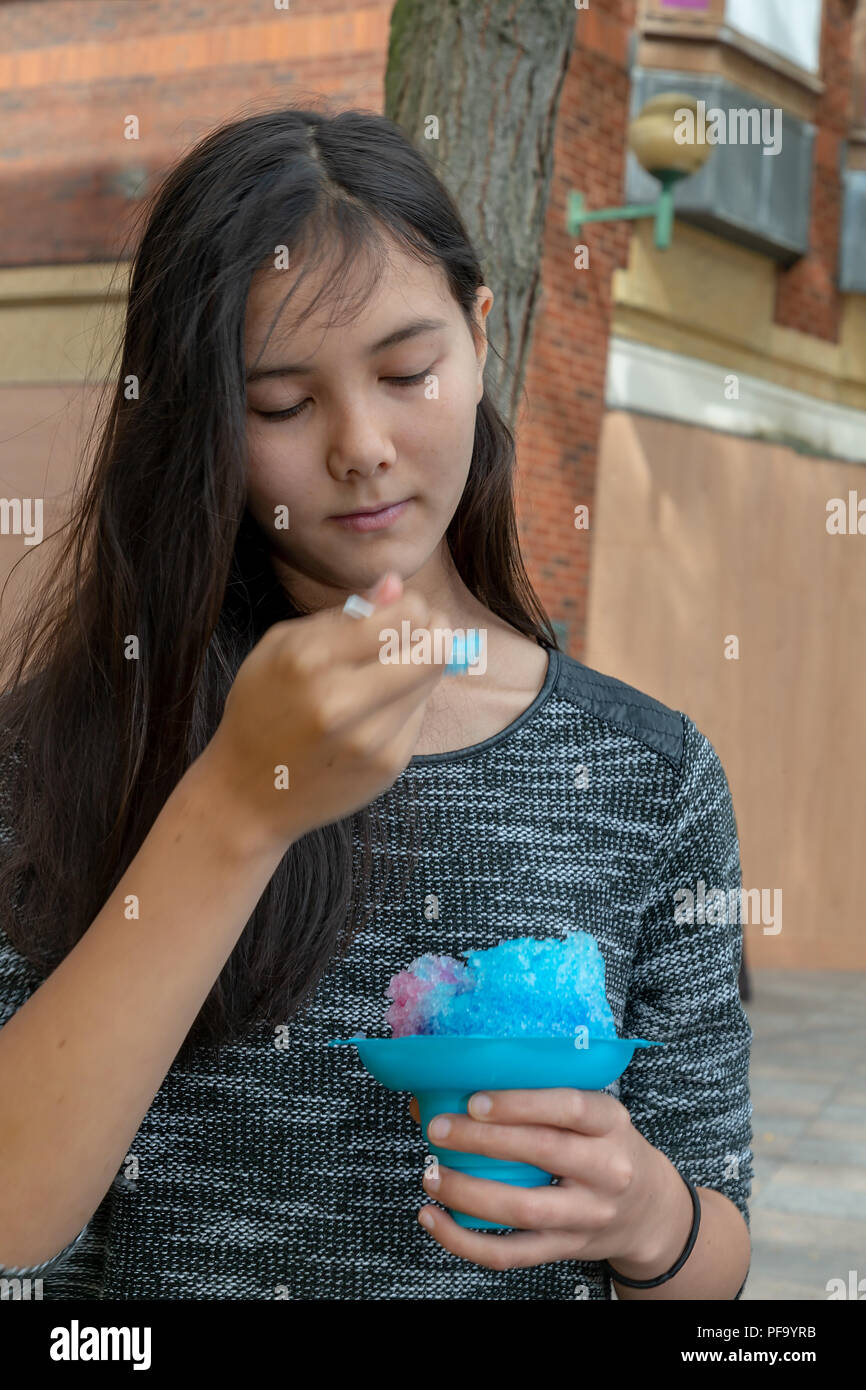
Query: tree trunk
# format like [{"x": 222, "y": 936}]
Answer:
[{"x": 476, "y": 85}]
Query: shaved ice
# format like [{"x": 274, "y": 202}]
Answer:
[{"x": 520, "y": 988}]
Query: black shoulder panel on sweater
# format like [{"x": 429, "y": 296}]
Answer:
[{"x": 629, "y": 709}]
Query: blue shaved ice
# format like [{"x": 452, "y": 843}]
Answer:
[{"x": 520, "y": 988}]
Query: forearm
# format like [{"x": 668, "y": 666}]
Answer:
[
  {"x": 719, "y": 1261},
  {"x": 82, "y": 1059}
]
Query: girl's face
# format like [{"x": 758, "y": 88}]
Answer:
[{"x": 357, "y": 438}]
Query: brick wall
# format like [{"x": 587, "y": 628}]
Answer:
[
  {"x": 806, "y": 295},
  {"x": 858, "y": 62},
  {"x": 71, "y": 72},
  {"x": 558, "y": 431}
]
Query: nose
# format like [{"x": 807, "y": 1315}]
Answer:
[{"x": 359, "y": 445}]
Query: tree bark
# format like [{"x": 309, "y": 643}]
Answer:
[{"x": 491, "y": 74}]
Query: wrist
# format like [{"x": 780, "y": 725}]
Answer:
[
  {"x": 668, "y": 1204},
  {"x": 236, "y": 833}
]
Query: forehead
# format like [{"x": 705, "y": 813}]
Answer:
[{"x": 354, "y": 300}]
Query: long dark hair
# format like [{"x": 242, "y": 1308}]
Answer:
[{"x": 161, "y": 546}]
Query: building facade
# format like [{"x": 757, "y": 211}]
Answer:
[{"x": 692, "y": 437}]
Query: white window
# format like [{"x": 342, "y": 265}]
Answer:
[{"x": 789, "y": 27}]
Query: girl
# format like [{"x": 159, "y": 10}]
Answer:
[{"x": 210, "y": 774}]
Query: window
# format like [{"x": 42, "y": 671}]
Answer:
[{"x": 792, "y": 30}]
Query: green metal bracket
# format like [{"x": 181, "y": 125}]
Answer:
[{"x": 662, "y": 210}]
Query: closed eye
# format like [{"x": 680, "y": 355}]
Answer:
[{"x": 296, "y": 410}]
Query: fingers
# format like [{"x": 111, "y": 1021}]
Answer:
[
  {"x": 386, "y": 589},
  {"x": 563, "y": 1107},
  {"x": 515, "y": 1250},
  {"x": 360, "y": 641},
  {"x": 545, "y": 1208}
]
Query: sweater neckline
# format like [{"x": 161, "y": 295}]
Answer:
[{"x": 554, "y": 659}]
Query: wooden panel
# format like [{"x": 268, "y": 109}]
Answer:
[{"x": 697, "y": 536}]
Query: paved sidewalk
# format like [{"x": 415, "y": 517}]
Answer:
[{"x": 808, "y": 1080}]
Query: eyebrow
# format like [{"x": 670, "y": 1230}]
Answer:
[{"x": 399, "y": 335}]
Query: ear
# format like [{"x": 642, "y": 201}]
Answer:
[{"x": 483, "y": 305}]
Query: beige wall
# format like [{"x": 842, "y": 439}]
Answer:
[
  {"x": 696, "y": 536},
  {"x": 42, "y": 436}
]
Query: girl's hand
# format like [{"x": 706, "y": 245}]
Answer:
[
  {"x": 618, "y": 1198},
  {"x": 313, "y": 697}
]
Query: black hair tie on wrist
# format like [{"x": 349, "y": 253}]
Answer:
[{"x": 675, "y": 1269}]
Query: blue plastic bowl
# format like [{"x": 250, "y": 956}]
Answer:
[{"x": 444, "y": 1072}]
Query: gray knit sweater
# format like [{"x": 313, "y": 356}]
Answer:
[{"x": 289, "y": 1172}]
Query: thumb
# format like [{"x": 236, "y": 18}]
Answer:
[{"x": 386, "y": 589}]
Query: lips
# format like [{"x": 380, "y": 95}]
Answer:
[
  {"x": 376, "y": 520},
  {"x": 370, "y": 511}
]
